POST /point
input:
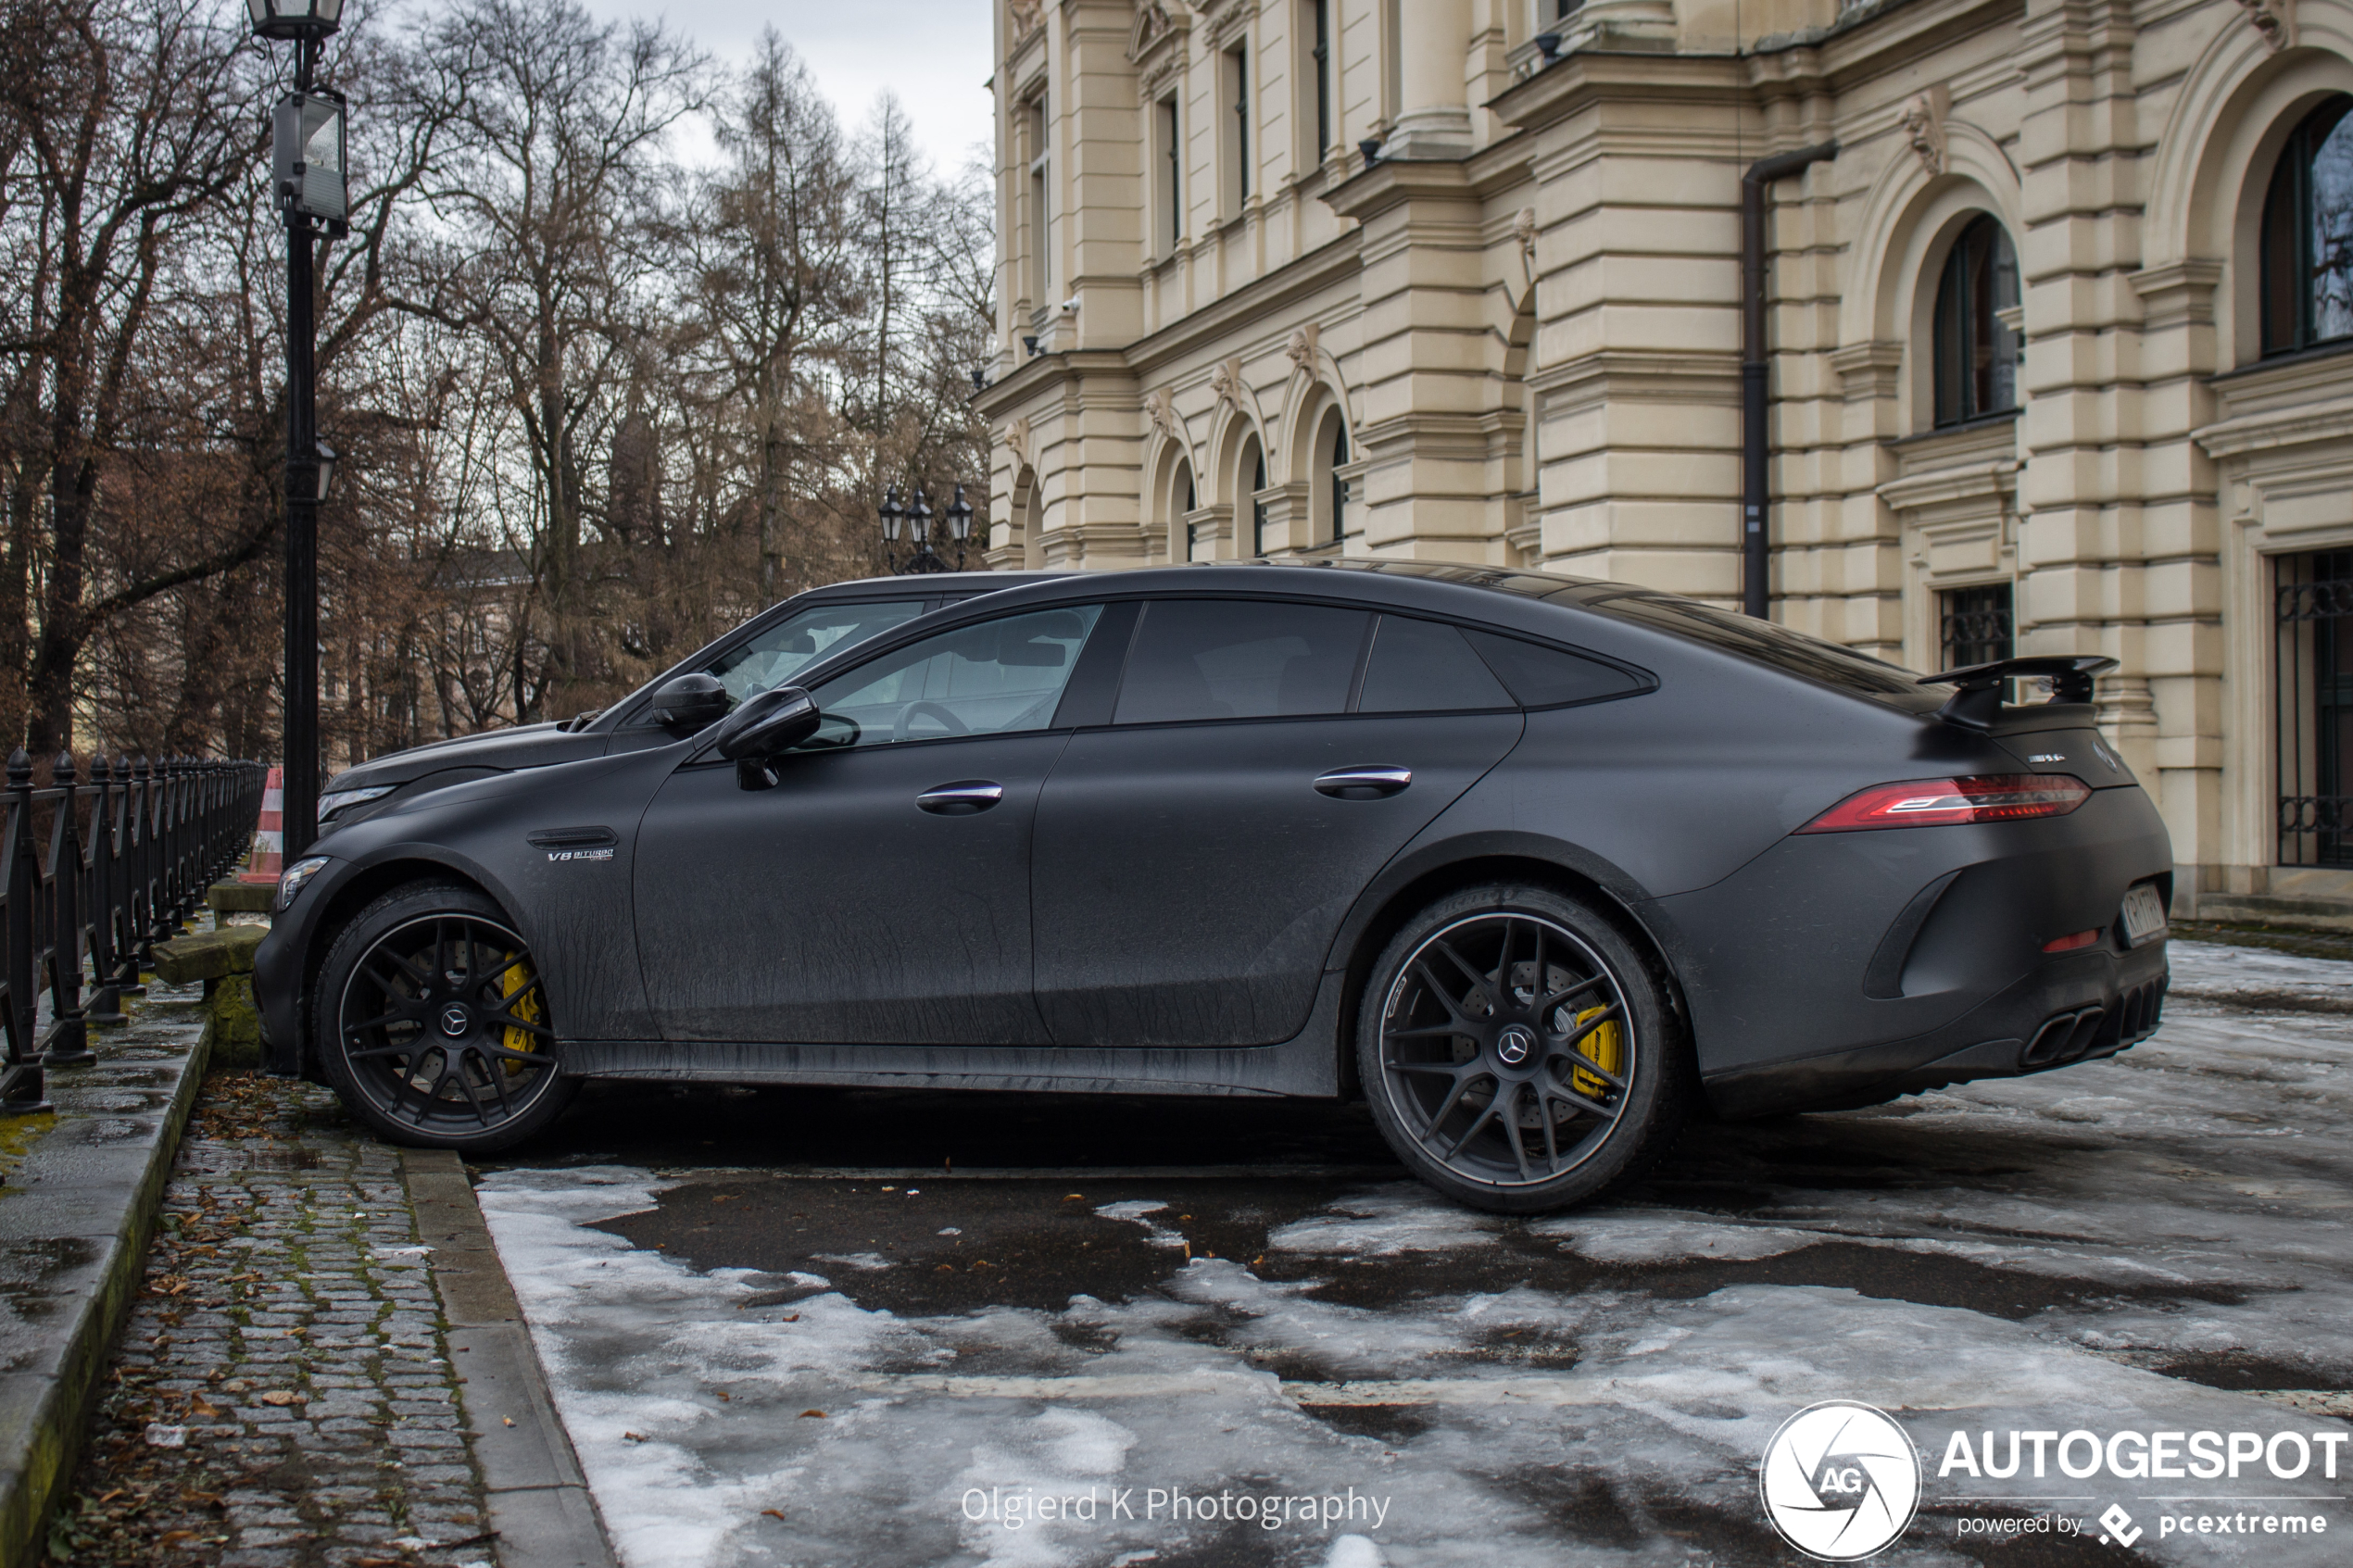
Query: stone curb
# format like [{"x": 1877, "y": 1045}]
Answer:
[
  {"x": 538, "y": 1499},
  {"x": 74, "y": 1234}
]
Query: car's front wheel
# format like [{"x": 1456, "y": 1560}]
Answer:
[
  {"x": 433, "y": 1022},
  {"x": 1518, "y": 1053}
]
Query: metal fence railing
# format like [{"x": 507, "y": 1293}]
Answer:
[{"x": 94, "y": 873}]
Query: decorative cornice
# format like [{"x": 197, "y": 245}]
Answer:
[
  {"x": 2332, "y": 420},
  {"x": 1965, "y": 481}
]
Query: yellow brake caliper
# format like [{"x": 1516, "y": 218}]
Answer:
[
  {"x": 1606, "y": 1048},
  {"x": 513, "y": 984}
]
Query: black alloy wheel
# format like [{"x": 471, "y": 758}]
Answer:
[
  {"x": 434, "y": 1024},
  {"x": 1517, "y": 1052}
]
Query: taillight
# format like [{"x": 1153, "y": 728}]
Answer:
[{"x": 1920, "y": 803}]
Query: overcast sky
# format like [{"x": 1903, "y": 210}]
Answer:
[{"x": 934, "y": 54}]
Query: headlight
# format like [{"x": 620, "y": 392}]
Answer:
[
  {"x": 344, "y": 799},
  {"x": 290, "y": 881}
]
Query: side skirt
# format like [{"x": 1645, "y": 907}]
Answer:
[{"x": 1305, "y": 1065}]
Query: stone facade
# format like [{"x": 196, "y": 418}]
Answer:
[{"x": 1512, "y": 333}]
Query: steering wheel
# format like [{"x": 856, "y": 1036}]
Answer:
[{"x": 905, "y": 728}]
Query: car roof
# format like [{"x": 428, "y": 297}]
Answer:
[{"x": 938, "y": 584}]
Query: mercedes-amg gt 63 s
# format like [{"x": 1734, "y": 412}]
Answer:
[{"x": 1536, "y": 865}]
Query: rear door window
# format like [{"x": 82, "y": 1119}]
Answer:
[{"x": 1239, "y": 659}]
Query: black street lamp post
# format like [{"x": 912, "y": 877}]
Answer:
[
  {"x": 915, "y": 521},
  {"x": 313, "y": 187}
]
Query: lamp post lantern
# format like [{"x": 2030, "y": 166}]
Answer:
[
  {"x": 915, "y": 521},
  {"x": 311, "y": 182}
]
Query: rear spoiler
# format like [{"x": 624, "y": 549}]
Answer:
[{"x": 1977, "y": 699}]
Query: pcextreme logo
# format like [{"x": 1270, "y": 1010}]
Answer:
[{"x": 1840, "y": 1480}]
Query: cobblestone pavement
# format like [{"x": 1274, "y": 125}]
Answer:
[{"x": 283, "y": 1396}]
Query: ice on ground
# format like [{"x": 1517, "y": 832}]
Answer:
[
  {"x": 2205, "y": 967},
  {"x": 2092, "y": 1249}
]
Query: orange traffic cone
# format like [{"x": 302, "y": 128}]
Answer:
[{"x": 269, "y": 839}]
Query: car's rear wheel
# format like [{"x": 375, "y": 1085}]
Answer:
[
  {"x": 433, "y": 1022},
  {"x": 1518, "y": 1052}
]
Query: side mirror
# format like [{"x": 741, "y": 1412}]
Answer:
[
  {"x": 686, "y": 704},
  {"x": 768, "y": 725}
]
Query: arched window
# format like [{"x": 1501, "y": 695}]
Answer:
[
  {"x": 1976, "y": 351},
  {"x": 2307, "y": 234}
]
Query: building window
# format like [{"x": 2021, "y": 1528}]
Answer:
[
  {"x": 2307, "y": 234},
  {"x": 1331, "y": 495},
  {"x": 1171, "y": 143},
  {"x": 1976, "y": 353},
  {"x": 1183, "y": 490},
  {"x": 2312, "y": 674},
  {"x": 1040, "y": 275},
  {"x": 1320, "y": 56},
  {"x": 1975, "y": 626},
  {"x": 1257, "y": 507},
  {"x": 1238, "y": 94}
]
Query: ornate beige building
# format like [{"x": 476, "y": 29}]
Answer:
[{"x": 2058, "y": 340}]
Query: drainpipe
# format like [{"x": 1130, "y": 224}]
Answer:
[{"x": 1754, "y": 561}]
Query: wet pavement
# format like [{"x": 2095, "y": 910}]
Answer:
[{"x": 895, "y": 1328}]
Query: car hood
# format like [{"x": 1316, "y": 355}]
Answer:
[{"x": 530, "y": 746}]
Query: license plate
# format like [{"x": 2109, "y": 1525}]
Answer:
[{"x": 2144, "y": 916}]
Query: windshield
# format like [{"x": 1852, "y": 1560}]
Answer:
[{"x": 1764, "y": 641}]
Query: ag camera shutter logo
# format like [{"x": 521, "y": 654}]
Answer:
[{"x": 1840, "y": 1480}]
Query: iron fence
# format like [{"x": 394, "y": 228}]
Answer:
[{"x": 94, "y": 873}]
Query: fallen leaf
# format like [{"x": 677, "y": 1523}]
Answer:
[
  {"x": 508, "y": 1419},
  {"x": 789, "y": 1317},
  {"x": 819, "y": 1414},
  {"x": 632, "y": 1437},
  {"x": 280, "y": 1397},
  {"x": 1074, "y": 1197},
  {"x": 771, "y": 1512},
  {"x": 724, "y": 1397},
  {"x": 110, "y": 1497},
  {"x": 178, "y": 1539},
  {"x": 945, "y": 1269}
]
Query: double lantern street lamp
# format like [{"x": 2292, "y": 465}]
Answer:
[
  {"x": 915, "y": 521},
  {"x": 312, "y": 186}
]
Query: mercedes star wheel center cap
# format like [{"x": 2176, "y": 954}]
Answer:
[
  {"x": 455, "y": 1021},
  {"x": 1515, "y": 1044}
]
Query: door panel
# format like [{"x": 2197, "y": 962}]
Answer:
[
  {"x": 1190, "y": 878},
  {"x": 879, "y": 892},
  {"x": 834, "y": 909}
]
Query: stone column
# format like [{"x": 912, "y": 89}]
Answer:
[{"x": 1433, "y": 120}]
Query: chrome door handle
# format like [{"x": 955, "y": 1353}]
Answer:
[
  {"x": 1375, "y": 782},
  {"x": 960, "y": 800}
]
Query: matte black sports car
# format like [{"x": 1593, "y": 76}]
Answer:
[{"x": 1534, "y": 864}]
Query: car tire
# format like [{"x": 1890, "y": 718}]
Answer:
[
  {"x": 457, "y": 1051},
  {"x": 1507, "y": 1096}
]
